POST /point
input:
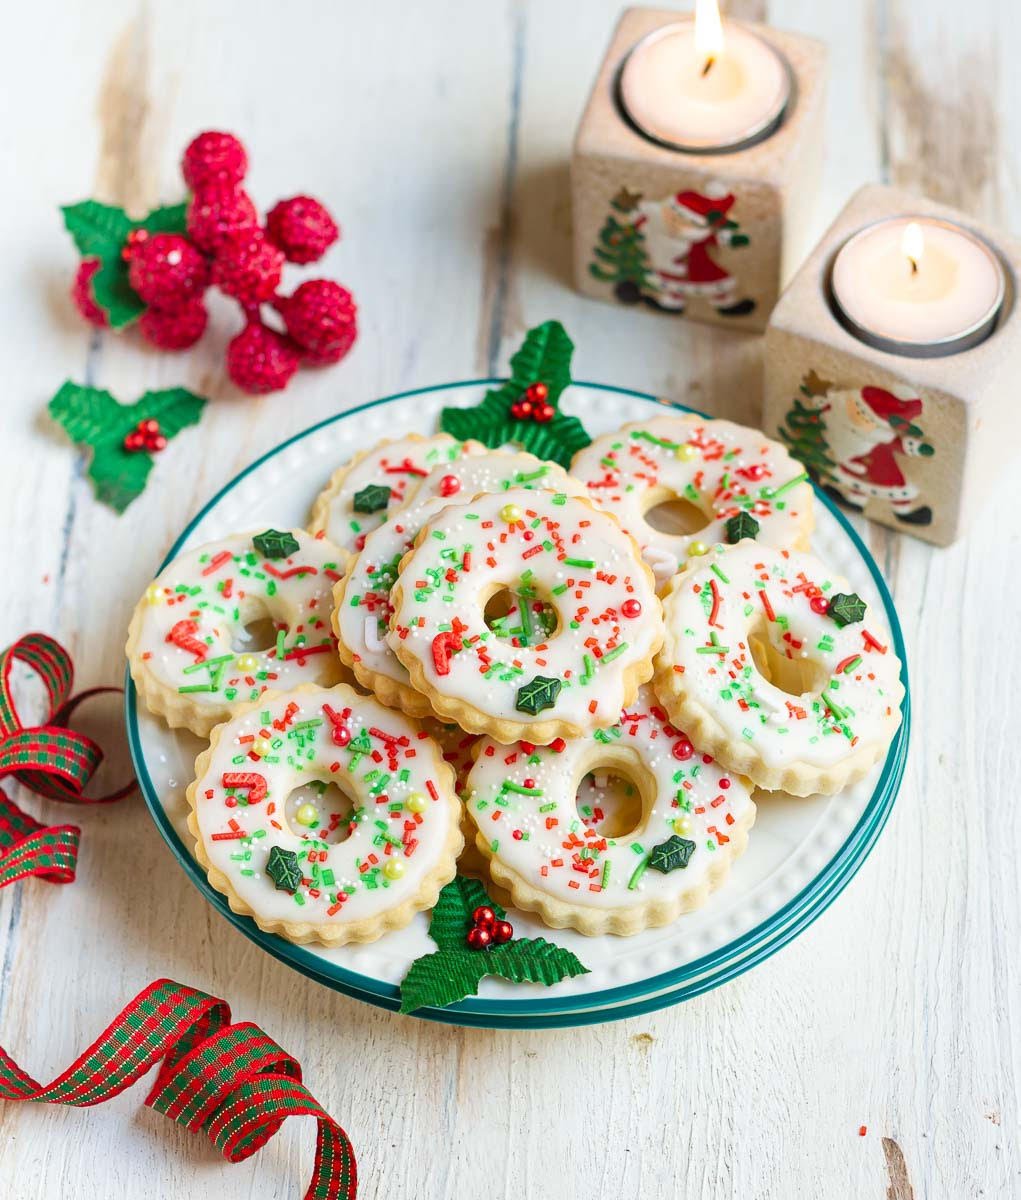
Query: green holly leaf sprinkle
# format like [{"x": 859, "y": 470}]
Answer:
[
  {"x": 275, "y": 544},
  {"x": 282, "y": 867},
  {"x": 744, "y": 525},
  {"x": 541, "y": 693},
  {"x": 372, "y": 498},
  {"x": 846, "y": 608},
  {"x": 452, "y": 917},
  {"x": 672, "y": 854}
]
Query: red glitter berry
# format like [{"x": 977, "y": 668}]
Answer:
[
  {"x": 322, "y": 318},
  {"x": 450, "y": 485},
  {"x": 631, "y": 609},
  {"x": 247, "y": 266},
  {"x": 483, "y": 916},
  {"x": 213, "y": 158},
  {"x": 820, "y": 605},
  {"x": 216, "y": 212},
  {"x": 302, "y": 228},
  {"x": 175, "y": 328},
  {"x": 81, "y": 293},
  {"x": 537, "y": 392},
  {"x": 166, "y": 270},
  {"x": 260, "y": 360},
  {"x": 503, "y": 931},
  {"x": 478, "y": 938}
]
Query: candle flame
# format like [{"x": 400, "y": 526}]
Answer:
[
  {"x": 708, "y": 32},
  {"x": 912, "y": 244}
]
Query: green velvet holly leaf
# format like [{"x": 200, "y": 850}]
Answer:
[
  {"x": 846, "y": 608},
  {"x": 538, "y": 695},
  {"x": 98, "y": 230},
  {"x": 168, "y": 218},
  {"x": 283, "y": 868},
  {"x": 436, "y": 980},
  {"x": 93, "y": 418},
  {"x": 371, "y": 498},
  {"x": 452, "y": 917},
  {"x": 744, "y": 525},
  {"x": 672, "y": 854},
  {"x": 274, "y": 544},
  {"x": 544, "y": 357},
  {"x": 532, "y": 960}
]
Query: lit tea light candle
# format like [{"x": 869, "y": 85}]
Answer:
[
  {"x": 918, "y": 286},
  {"x": 693, "y": 85}
]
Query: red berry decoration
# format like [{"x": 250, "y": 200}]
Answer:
[
  {"x": 145, "y": 436},
  {"x": 247, "y": 266},
  {"x": 81, "y": 293},
  {"x": 216, "y": 212},
  {"x": 536, "y": 392},
  {"x": 478, "y": 937},
  {"x": 503, "y": 931},
  {"x": 175, "y": 329},
  {"x": 214, "y": 158},
  {"x": 260, "y": 360},
  {"x": 322, "y": 318},
  {"x": 166, "y": 270},
  {"x": 484, "y": 916},
  {"x": 543, "y": 413},
  {"x": 302, "y": 228}
]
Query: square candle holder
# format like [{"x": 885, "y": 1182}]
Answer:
[
  {"x": 711, "y": 236},
  {"x": 914, "y": 442}
]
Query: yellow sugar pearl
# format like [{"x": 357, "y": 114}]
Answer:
[
  {"x": 682, "y": 825},
  {"x": 685, "y": 453},
  {"x": 262, "y": 746},
  {"x": 697, "y": 549},
  {"x": 394, "y": 868},
  {"x": 510, "y": 513},
  {"x": 416, "y": 803},
  {"x": 154, "y": 594},
  {"x": 247, "y": 662},
  {"x": 307, "y": 815}
]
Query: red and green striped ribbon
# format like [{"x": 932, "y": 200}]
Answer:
[
  {"x": 48, "y": 759},
  {"x": 232, "y": 1082}
]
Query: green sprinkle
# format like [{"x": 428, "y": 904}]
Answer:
[
  {"x": 638, "y": 872},
  {"x": 616, "y": 652},
  {"x": 586, "y": 563}
]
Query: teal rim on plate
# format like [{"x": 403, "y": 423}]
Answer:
[{"x": 609, "y": 1004}]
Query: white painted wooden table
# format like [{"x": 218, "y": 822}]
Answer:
[{"x": 439, "y": 134}]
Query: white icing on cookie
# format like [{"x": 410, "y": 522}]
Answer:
[
  {"x": 360, "y": 852},
  {"x": 400, "y": 465},
  {"x": 720, "y": 468},
  {"x": 523, "y": 800},
  {"x": 496, "y": 471},
  {"x": 555, "y": 550}
]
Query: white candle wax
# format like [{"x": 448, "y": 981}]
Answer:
[
  {"x": 677, "y": 92},
  {"x": 918, "y": 286}
]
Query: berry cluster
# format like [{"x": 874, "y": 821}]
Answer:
[
  {"x": 145, "y": 436},
  {"x": 533, "y": 405},
  {"x": 225, "y": 247},
  {"x": 486, "y": 930}
]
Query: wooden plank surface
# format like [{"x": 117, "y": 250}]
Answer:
[{"x": 439, "y": 134}]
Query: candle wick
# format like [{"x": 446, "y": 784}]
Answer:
[
  {"x": 708, "y": 65},
  {"x": 914, "y": 265}
]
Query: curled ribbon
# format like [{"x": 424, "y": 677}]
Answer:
[{"x": 49, "y": 759}]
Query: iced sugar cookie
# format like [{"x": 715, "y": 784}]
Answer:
[
  {"x": 376, "y": 482},
  {"x": 690, "y": 822},
  {"x": 774, "y": 666},
  {"x": 325, "y": 816},
  {"x": 362, "y": 611},
  {"x": 715, "y": 469},
  {"x": 223, "y": 623},
  {"x": 582, "y": 645}
]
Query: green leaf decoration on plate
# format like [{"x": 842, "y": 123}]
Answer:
[
  {"x": 283, "y": 868},
  {"x": 544, "y": 357},
  {"x": 100, "y": 231},
  {"x": 455, "y": 971},
  {"x": 275, "y": 544},
  {"x": 372, "y": 498},
  {"x": 538, "y": 695},
  {"x": 93, "y": 418},
  {"x": 673, "y": 854},
  {"x": 744, "y": 525},
  {"x": 846, "y": 608}
]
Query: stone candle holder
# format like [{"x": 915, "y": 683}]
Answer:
[
  {"x": 729, "y": 224},
  {"x": 915, "y": 443}
]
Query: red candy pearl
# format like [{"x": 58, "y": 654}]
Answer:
[
  {"x": 820, "y": 605},
  {"x": 479, "y": 938},
  {"x": 631, "y": 608},
  {"x": 449, "y": 485},
  {"x": 503, "y": 931},
  {"x": 483, "y": 916},
  {"x": 537, "y": 391},
  {"x": 683, "y": 749},
  {"x": 341, "y": 735}
]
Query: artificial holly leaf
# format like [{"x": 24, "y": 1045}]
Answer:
[
  {"x": 539, "y": 694},
  {"x": 174, "y": 408},
  {"x": 533, "y": 960},
  {"x": 744, "y": 525},
  {"x": 672, "y": 854},
  {"x": 89, "y": 414},
  {"x": 115, "y": 295},
  {"x": 118, "y": 475},
  {"x": 544, "y": 356},
  {"x": 371, "y": 498},
  {"x": 168, "y": 218},
  {"x": 98, "y": 230},
  {"x": 452, "y": 917},
  {"x": 274, "y": 544},
  {"x": 846, "y": 608},
  {"x": 283, "y": 868},
  {"x": 436, "y": 980}
]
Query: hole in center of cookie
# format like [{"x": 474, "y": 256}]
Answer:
[
  {"x": 798, "y": 676},
  {"x": 610, "y": 801},
  {"x": 255, "y": 636},
  {"x": 520, "y": 615},
  {"x": 319, "y": 810},
  {"x": 675, "y": 515}
]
